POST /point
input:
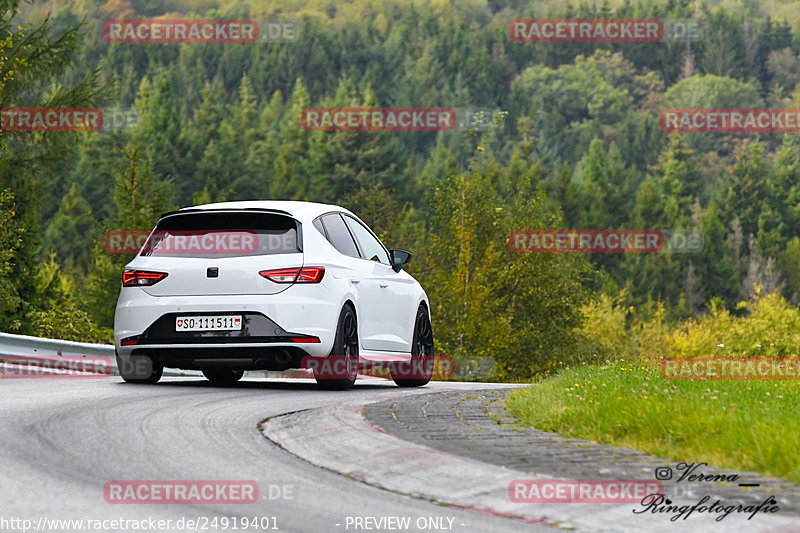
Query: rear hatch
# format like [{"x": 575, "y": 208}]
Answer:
[{"x": 220, "y": 252}]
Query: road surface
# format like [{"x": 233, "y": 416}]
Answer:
[{"x": 63, "y": 440}]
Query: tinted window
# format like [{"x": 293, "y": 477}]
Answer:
[
  {"x": 338, "y": 235},
  {"x": 318, "y": 224},
  {"x": 222, "y": 235},
  {"x": 372, "y": 248}
]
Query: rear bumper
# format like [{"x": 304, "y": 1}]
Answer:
[
  {"x": 270, "y": 322},
  {"x": 197, "y": 357}
]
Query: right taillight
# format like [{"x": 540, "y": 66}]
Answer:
[
  {"x": 294, "y": 275},
  {"x": 141, "y": 278}
]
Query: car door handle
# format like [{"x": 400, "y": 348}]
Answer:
[
  {"x": 354, "y": 281},
  {"x": 383, "y": 285}
]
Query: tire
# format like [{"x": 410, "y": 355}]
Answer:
[
  {"x": 223, "y": 376},
  {"x": 340, "y": 369},
  {"x": 422, "y": 359},
  {"x": 139, "y": 369}
]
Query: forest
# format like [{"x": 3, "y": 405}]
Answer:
[{"x": 564, "y": 135}]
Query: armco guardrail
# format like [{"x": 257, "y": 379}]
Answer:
[
  {"x": 33, "y": 346},
  {"x": 49, "y": 351}
]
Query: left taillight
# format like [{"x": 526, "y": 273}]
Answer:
[
  {"x": 294, "y": 275},
  {"x": 141, "y": 278}
]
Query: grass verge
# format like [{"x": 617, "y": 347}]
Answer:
[{"x": 743, "y": 425}]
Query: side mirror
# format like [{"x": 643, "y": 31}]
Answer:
[{"x": 400, "y": 258}]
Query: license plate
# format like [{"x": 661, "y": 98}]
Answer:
[{"x": 208, "y": 323}]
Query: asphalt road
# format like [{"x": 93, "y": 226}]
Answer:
[{"x": 62, "y": 440}]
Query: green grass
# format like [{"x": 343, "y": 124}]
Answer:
[{"x": 743, "y": 425}]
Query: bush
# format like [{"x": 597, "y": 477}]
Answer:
[
  {"x": 772, "y": 329},
  {"x": 612, "y": 331}
]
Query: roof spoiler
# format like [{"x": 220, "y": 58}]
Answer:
[{"x": 223, "y": 209}]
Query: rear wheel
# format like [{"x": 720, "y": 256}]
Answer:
[
  {"x": 340, "y": 369},
  {"x": 139, "y": 369},
  {"x": 420, "y": 370},
  {"x": 223, "y": 376}
]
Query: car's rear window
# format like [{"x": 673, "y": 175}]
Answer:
[{"x": 222, "y": 235}]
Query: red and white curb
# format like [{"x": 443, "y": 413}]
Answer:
[{"x": 338, "y": 438}]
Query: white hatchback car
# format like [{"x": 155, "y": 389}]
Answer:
[{"x": 271, "y": 285}]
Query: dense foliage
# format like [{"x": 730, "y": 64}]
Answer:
[{"x": 580, "y": 147}]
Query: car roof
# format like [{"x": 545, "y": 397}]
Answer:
[{"x": 304, "y": 210}]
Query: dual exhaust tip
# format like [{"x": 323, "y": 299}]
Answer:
[{"x": 282, "y": 357}]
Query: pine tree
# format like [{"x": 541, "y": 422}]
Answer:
[
  {"x": 73, "y": 231},
  {"x": 33, "y": 61},
  {"x": 159, "y": 133},
  {"x": 715, "y": 265},
  {"x": 606, "y": 187},
  {"x": 678, "y": 180},
  {"x": 745, "y": 188},
  {"x": 291, "y": 179}
]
